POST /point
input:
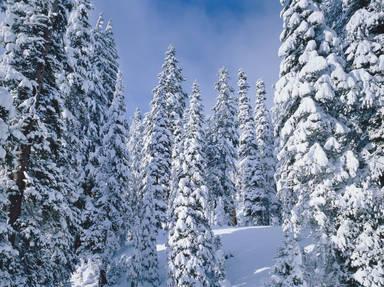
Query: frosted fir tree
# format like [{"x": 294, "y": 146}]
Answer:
[
  {"x": 108, "y": 225},
  {"x": 158, "y": 142},
  {"x": 313, "y": 153},
  {"x": 105, "y": 59},
  {"x": 254, "y": 202},
  {"x": 135, "y": 150},
  {"x": 221, "y": 149},
  {"x": 146, "y": 264},
  {"x": 288, "y": 269},
  {"x": 265, "y": 146},
  {"x": 359, "y": 236},
  {"x": 191, "y": 258},
  {"x": 136, "y": 155},
  {"x": 39, "y": 207},
  {"x": 102, "y": 84},
  {"x": 82, "y": 110},
  {"x": 171, "y": 80},
  {"x": 8, "y": 254}
]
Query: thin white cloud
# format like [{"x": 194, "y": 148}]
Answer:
[{"x": 205, "y": 41}]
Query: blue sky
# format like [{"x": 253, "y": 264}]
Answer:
[{"x": 207, "y": 34}]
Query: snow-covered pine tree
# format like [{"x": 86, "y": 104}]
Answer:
[
  {"x": 171, "y": 80},
  {"x": 8, "y": 261},
  {"x": 221, "y": 150},
  {"x": 39, "y": 210},
  {"x": 135, "y": 150},
  {"x": 102, "y": 84},
  {"x": 313, "y": 156},
  {"x": 254, "y": 202},
  {"x": 105, "y": 59},
  {"x": 159, "y": 141},
  {"x": 82, "y": 112},
  {"x": 145, "y": 257},
  {"x": 156, "y": 163},
  {"x": 109, "y": 226},
  {"x": 359, "y": 237},
  {"x": 191, "y": 258},
  {"x": 265, "y": 146}
]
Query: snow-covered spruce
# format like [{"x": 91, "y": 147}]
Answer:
[
  {"x": 166, "y": 115},
  {"x": 81, "y": 114},
  {"x": 110, "y": 222},
  {"x": 359, "y": 237},
  {"x": 156, "y": 182},
  {"x": 265, "y": 147},
  {"x": 253, "y": 200},
  {"x": 314, "y": 158},
  {"x": 8, "y": 253},
  {"x": 191, "y": 257},
  {"x": 38, "y": 201},
  {"x": 221, "y": 152},
  {"x": 171, "y": 80},
  {"x": 105, "y": 59}
]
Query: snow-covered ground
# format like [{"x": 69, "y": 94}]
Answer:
[{"x": 250, "y": 252}]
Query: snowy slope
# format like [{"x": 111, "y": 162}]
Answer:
[
  {"x": 253, "y": 250},
  {"x": 250, "y": 252}
]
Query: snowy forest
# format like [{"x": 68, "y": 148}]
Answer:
[{"x": 92, "y": 196}]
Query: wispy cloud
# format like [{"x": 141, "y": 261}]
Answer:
[{"x": 207, "y": 35}]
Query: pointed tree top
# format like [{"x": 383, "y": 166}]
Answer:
[
  {"x": 242, "y": 81},
  {"x": 171, "y": 49},
  {"x": 260, "y": 87},
  {"x": 100, "y": 22},
  {"x": 222, "y": 83},
  {"x": 109, "y": 27},
  {"x": 137, "y": 114},
  {"x": 195, "y": 87}
]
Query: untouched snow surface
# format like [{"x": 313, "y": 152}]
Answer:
[
  {"x": 253, "y": 250},
  {"x": 250, "y": 253}
]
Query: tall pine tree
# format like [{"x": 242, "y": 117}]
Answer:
[
  {"x": 254, "y": 204},
  {"x": 315, "y": 160},
  {"x": 191, "y": 257},
  {"x": 221, "y": 151},
  {"x": 39, "y": 207},
  {"x": 265, "y": 146},
  {"x": 359, "y": 236}
]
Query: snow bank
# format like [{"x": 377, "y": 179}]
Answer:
[{"x": 250, "y": 253}]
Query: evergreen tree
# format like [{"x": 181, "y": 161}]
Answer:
[
  {"x": 145, "y": 260},
  {"x": 39, "y": 208},
  {"x": 359, "y": 236},
  {"x": 314, "y": 157},
  {"x": 105, "y": 59},
  {"x": 8, "y": 254},
  {"x": 171, "y": 80},
  {"x": 135, "y": 150},
  {"x": 253, "y": 198},
  {"x": 156, "y": 164},
  {"x": 191, "y": 257},
  {"x": 158, "y": 147},
  {"x": 112, "y": 211},
  {"x": 104, "y": 75},
  {"x": 81, "y": 109},
  {"x": 221, "y": 150},
  {"x": 265, "y": 146}
]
